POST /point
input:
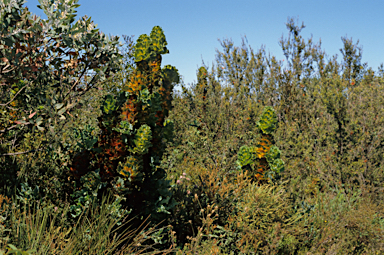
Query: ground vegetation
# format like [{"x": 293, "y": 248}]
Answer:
[{"x": 100, "y": 155}]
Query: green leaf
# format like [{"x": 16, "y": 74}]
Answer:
[
  {"x": 158, "y": 40},
  {"x": 142, "y": 48},
  {"x": 144, "y": 96},
  {"x": 58, "y": 106},
  {"x": 61, "y": 111},
  {"x": 171, "y": 74},
  {"x": 9, "y": 41},
  {"x": 125, "y": 127},
  {"x": 109, "y": 104},
  {"x": 12, "y": 247}
]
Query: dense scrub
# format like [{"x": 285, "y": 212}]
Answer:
[
  {"x": 329, "y": 131},
  {"x": 99, "y": 155}
]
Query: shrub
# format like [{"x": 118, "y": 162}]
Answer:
[{"x": 134, "y": 131}]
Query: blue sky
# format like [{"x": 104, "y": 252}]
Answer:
[{"x": 192, "y": 28}]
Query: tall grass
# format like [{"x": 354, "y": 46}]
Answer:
[{"x": 44, "y": 229}]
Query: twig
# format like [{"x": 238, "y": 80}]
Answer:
[
  {"x": 11, "y": 127},
  {"x": 19, "y": 153},
  {"x": 81, "y": 75},
  {"x": 15, "y": 96}
]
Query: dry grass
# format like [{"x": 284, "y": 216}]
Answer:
[{"x": 43, "y": 230}]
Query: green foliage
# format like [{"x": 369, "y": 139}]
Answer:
[
  {"x": 45, "y": 229},
  {"x": 171, "y": 74},
  {"x": 329, "y": 132},
  {"x": 142, "y": 140},
  {"x": 109, "y": 104},
  {"x": 246, "y": 156},
  {"x": 277, "y": 166},
  {"x": 307, "y": 128},
  {"x": 135, "y": 129},
  {"x": 263, "y": 160},
  {"x": 158, "y": 41},
  {"x": 87, "y": 193},
  {"x": 268, "y": 121},
  {"x": 85, "y": 137},
  {"x": 148, "y": 48},
  {"x": 47, "y": 68},
  {"x": 142, "y": 48},
  {"x": 263, "y": 215},
  {"x": 13, "y": 250},
  {"x": 273, "y": 154}
]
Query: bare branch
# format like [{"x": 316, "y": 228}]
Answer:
[
  {"x": 19, "y": 153},
  {"x": 7, "y": 71},
  {"x": 78, "y": 80},
  {"x": 88, "y": 87},
  {"x": 12, "y": 127}
]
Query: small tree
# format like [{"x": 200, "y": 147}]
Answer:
[{"x": 46, "y": 68}]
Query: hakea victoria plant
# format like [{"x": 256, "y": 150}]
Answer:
[
  {"x": 263, "y": 161},
  {"x": 134, "y": 131}
]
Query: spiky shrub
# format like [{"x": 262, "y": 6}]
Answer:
[
  {"x": 134, "y": 131},
  {"x": 263, "y": 221},
  {"x": 263, "y": 160}
]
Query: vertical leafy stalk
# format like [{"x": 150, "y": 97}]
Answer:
[
  {"x": 135, "y": 129},
  {"x": 263, "y": 160}
]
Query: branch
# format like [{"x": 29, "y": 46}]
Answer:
[
  {"x": 3, "y": 71},
  {"x": 19, "y": 153},
  {"x": 211, "y": 154},
  {"x": 12, "y": 127},
  {"x": 81, "y": 75},
  {"x": 15, "y": 96},
  {"x": 88, "y": 87},
  {"x": 16, "y": 109}
]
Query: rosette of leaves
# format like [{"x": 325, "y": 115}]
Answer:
[
  {"x": 268, "y": 121},
  {"x": 245, "y": 156},
  {"x": 275, "y": 163},
  {"x": 263, "y": 160}
]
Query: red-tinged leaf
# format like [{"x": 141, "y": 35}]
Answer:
[{"x": 31, "y": 115}]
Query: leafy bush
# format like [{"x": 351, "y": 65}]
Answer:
[
  {"x": 47, "y": 67},
  {"x": 173, "y": 159},
  {"x": 329, "y": 130}
]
